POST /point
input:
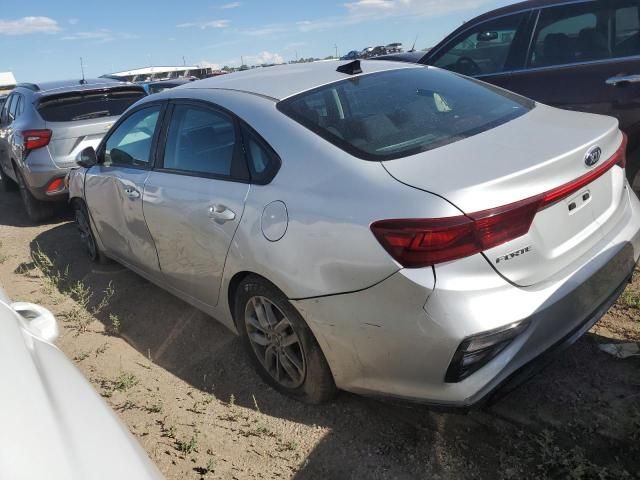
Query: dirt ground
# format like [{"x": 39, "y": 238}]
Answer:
[{"x": 182, "y": 384}]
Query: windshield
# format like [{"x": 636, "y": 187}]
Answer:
[
  {"x": 393, "y": 114},
  {"x": 78, "y": 106}
]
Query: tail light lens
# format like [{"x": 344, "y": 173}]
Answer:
[
  {"x": 34, "y": 139},
  {"x": 416, "y": 243}
]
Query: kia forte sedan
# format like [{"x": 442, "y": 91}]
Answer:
[{"x": 379, "y": 227}]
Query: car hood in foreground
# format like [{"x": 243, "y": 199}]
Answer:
[{"x": 55, "y": 425}]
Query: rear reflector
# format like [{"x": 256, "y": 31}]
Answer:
[
  {"x": 416, "y": 243},
  {"x": 56, "y": 185},
  {"x": 475, "y": 352},
  {"x": 34, "y": 139}
]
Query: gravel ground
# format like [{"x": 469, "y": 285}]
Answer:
[{"x": 182, "y": 384}]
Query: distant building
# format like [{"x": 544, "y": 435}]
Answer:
[
  {"x": 164, "y": 73},
  {"x": 7, "y": 82}
]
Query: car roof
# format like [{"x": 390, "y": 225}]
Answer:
[
  {"x": 282, "y": 81},
  {"x": 76, "y": 85}
]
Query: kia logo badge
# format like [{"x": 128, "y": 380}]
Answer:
[{"x": 593, "y": 156}]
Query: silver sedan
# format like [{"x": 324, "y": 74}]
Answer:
[{"x": 376, "y": 227}]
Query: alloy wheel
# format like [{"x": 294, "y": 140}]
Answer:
[{"x": 275, "y": 342}]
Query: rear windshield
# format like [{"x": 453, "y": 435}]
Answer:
[
  {"x": 78, "y": 106},
  {"x": 394, "y": 114}
]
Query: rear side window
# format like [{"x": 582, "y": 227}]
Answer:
[
  {"x": 13, "y": 108},
  {"x": 571, "y": 34},
  {"x": 200, "y": 141},
  {"x": 76, "y": 106},
  {"x": 627, "y": 35},
  {"x": 262, "y": 160},
  {"x": 393, "y": 114}
]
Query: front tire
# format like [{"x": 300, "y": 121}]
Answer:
[
  {"x": 37, "y": 210},
  {"x": 280, "y": 344},
  {"x": 87, "y": 237}
]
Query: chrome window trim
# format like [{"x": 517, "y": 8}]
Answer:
[{"x": 564, "y": 65}]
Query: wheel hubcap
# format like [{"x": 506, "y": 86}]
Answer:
[{"x": 275, "y": 342}]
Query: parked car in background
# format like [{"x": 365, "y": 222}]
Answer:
[
  {"x": 393, "y": 48},
  {"x": 577, "y": 55},
  {"x": 365, "y": 52},
  {"x": 505, "y": 231},
  {"x": 55, "y": 425},
  {"x": 44, "y": 126},
  {"x": 3, "y": 98},
  {"x": 161, "y": 85},
  {"x": 352, "y": 55},
  {"x": 372, "y": 52}
]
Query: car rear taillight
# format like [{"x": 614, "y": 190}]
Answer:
[
  {"x": 34, "y": 139},
  {"x": 416, "y": 243}
]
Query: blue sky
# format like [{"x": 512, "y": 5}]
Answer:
[{"x": 44, "y": 39}]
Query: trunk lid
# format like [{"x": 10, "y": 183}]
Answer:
[
  {"x": 70, "y": 138},
  {"x": 533, "y": 154}
]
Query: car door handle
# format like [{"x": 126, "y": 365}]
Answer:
[
  {"x": 132, "y": 193},
  {"x": 623, "y": 79},
  {"x": 221, "y": 214}
]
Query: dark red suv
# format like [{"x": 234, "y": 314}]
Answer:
[{"x": 578, "y": 55}]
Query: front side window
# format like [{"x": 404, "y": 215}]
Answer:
[
  {"x": 571, "y": 34},
  {"x": 483, "y": 50},
  {"x": 200, "y": 141},
  {"x": 397, "y": 113},
  {"x": 130, "y": 143}
]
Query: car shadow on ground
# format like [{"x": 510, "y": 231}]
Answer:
[{"x": 579, "y": 413}]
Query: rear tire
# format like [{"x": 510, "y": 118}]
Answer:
[
  {"x": 8, "y": 185},
  {"x": 87, "y": 236},
  {"x": 280, "y": 344},
  {"x": 37, "y": 210}
]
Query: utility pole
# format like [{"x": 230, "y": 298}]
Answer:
[
  {"x": 241, "y": 60},
  {"x": 82, "y": 70},
  {"x": 184, "y": 62},
  {"x": 336, "y": 47}
]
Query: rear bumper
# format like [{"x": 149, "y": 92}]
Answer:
[
  {"x": 397, "y": 338},
  {"x": 38, "y": 171}
]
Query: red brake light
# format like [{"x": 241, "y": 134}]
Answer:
[
  {"x": 36, "y": 138},
  {"x": 416, "y": 243}
]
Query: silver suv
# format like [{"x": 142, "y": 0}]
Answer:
[{"x": 44, "y": 126}]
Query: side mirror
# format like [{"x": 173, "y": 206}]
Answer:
[
  {"x": 87, "y": 158},
  {"x": 40, "y": 321},
  {"x": 487, "y": 36}
]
